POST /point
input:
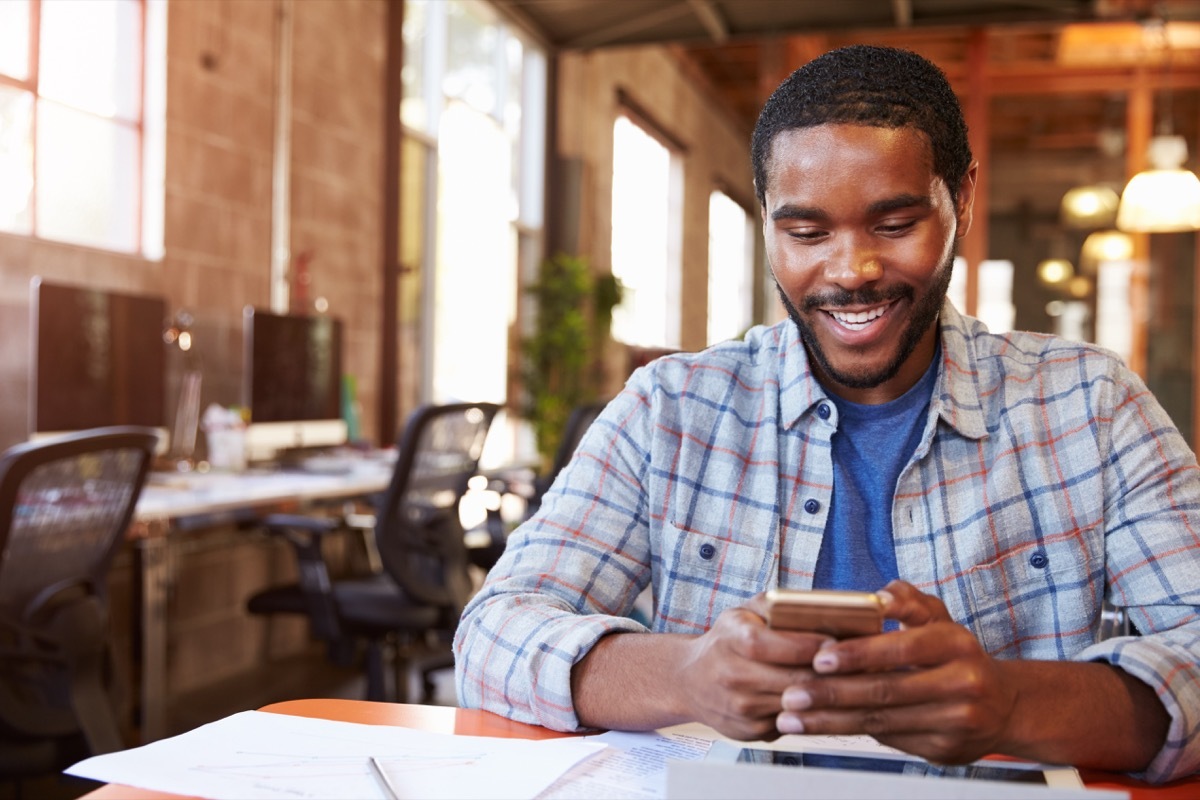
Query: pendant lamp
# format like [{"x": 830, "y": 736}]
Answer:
[{"x": 1163, "y": 199}]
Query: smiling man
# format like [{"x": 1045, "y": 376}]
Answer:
[{"x": 996, "y": 490}]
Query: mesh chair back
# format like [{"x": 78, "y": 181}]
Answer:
[
  {"x": 577, "y": 425},
  {"x": 64, "y": 508},
  {"x": 65, "y": 505},
  {"x": 418, "y": 533},
  {"x": 578, "y": 422}
]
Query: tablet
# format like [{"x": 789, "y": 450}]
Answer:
[{"x": 989, "y": 770}]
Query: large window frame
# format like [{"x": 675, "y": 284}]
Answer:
[
  {"x": 731, "y": 267},
  {"x": 647, "y": 229},
  {"x": 449, "y": 89},
  {"x": 61, "y": 185}
]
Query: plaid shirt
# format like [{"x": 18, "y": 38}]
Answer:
[{"x": 1048, "y": 479}]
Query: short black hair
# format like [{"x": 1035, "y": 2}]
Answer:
[{"x": 882, "y": 87}]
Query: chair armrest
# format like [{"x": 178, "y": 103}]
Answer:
[
  {"x": 317, "y": 525},
  {"x": 305, "y": 534}
]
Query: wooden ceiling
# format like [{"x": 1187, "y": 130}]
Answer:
[{"x": 1058, "y": 73}]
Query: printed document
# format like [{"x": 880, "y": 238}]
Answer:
[{"x": 258, "y": 755}]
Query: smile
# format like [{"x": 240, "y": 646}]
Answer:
[{"x": 858, "y": 320}]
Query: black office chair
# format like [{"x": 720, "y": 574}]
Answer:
[
  {"x": 413, "y": 605},
  {"x": 580, "y": 419},
  {"x": 65, "y": 505}
]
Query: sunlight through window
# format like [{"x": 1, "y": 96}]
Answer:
[
  {"x": 730, "y": 269},
  {"x": 72, "y": 128}
]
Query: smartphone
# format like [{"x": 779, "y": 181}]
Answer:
[{"x": 839, "y": 614}]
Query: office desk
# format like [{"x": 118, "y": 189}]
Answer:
[
  {"x": 178, "y": 501},
  {"x": 470, "y": 722}
]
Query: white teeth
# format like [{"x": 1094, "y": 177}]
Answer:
[{"x": 859, "y": 319}]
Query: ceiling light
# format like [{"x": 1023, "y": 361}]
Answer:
[
  {"x": 1055, "y": 271},
  {"x": 1165, "y": 198},
  {"x": 1105, "y": 246},
  {"x": 1089, "y": 207}
]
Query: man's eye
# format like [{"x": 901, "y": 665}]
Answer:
[
  {"x": 891, "y": 228},
  {"x": 806, "y": 235}
]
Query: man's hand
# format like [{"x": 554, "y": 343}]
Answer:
[
  {"x": 737, "y": 671},
  {"x": 731, "y": 678},
  {"x": 930, "y": 689}
]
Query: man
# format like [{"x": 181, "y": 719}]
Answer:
[{"x": 997, "y": 488}]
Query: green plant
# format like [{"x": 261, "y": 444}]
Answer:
[{"x": 562, "y": 359}]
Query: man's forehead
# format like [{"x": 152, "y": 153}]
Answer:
[
  {"x": 908, "y": 147},
  {"x": 799, "y": 137}
]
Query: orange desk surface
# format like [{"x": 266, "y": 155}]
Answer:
[{"x": 469, "y": 722}]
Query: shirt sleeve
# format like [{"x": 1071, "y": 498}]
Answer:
[
  {"x": 1152, "y": 546},
  {"x": 568, "y": 576}
]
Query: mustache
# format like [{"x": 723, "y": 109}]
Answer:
[{"x": 860, "y": 297}]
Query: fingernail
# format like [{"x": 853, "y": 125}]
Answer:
[
  {"x": 789, "y": 723},
  {"x": 796, "y": 699},
  {"x": 825, "y": 662},
  {"x": 886, "y": 597}
]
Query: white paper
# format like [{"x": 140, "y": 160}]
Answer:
[
  {"x": 262, "y": 756},
  {"x": 633, "y": 766}
]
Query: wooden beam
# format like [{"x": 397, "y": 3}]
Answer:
[
  {"x": 1139, "y": 124},
  {"x": 975, "y": 244},
  {"x": 389, "y": 327},
  {"x": 710, "y": 17}
]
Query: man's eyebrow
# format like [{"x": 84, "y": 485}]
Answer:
[
  {"x": 887, "y": 205},
  {"x": 790, "y": 211},
  {"x": 900, "y": 201}
]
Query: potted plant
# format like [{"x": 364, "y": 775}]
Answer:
[{"x": 562, "y": 358}]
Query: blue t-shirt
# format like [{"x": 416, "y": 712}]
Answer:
[{"x": 872, "y": 445}]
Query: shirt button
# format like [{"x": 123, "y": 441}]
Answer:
[
  {"x": 1039, "y": 560},
  {"x": 812, "y": 506},
  {"x": 707, "y": 551},
  {"x": 823, "y": 411}
]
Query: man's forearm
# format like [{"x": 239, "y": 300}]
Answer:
[
  {"x": 630, "y": 681},
  {"x": 1086, "y": 714}
]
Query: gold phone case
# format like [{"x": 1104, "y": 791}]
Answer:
[{"x": 839, "y": 614}]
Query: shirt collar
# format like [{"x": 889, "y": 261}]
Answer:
[
  {"x": 955, "y": 395},
  {"x": 956, "y": 398}
]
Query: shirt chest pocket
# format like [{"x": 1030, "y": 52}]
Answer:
[
  {"x": 700, "y": 575},
  {"x": 1038, "y": 600}
]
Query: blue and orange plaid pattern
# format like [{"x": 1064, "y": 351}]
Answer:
[{"x": 1048, "y": 480}]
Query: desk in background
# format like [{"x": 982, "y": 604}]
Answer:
[
  {"x": 471, "y": 722},
  {"x": 172, "y": 502}
]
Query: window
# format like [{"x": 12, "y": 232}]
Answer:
[
  {"x": 730, "y": 269},
  {"x": 995, "y": 304},
  {"x": 645, "y": 238},
  {"x": 474, "y": 112},
  {"x": 81, "y": 88},
  {"x": 1114, "y": 307}
]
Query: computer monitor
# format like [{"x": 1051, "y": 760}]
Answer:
[
  {"x": 292, "y": 382},
  {"x": 98, "y": 358}
]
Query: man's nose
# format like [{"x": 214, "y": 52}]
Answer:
[{"x": 854, "y": 265}]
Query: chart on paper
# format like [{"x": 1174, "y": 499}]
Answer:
[{"x": 262, "y": 756}]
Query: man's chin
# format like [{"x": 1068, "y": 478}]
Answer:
[{"x": 861, "y": 378}]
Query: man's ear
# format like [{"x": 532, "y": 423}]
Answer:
[{"x": 965, "y": 202}]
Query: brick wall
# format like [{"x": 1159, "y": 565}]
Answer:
[
  {"x": 717, "y": 155},
  {"x": 220, "y": 140},
  {"x": 222, "y": 60}
]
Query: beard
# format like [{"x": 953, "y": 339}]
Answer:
[{"x": 925, "y": 312}]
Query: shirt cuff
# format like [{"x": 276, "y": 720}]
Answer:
[
  {"x": 1158, "y": 665},
  {"x": 551, "y": 660}
]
